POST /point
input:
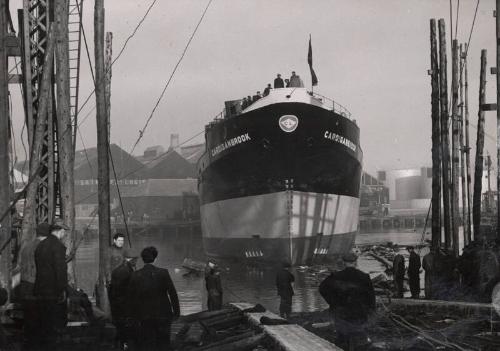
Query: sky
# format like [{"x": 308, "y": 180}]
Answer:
[{"x": 370, "y": 56}]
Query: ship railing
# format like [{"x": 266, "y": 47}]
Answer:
[{"x": 332, "y": 105}]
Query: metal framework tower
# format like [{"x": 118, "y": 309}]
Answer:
[{"x": 34, "y": 23}]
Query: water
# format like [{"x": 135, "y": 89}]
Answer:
[{"x": 240, "y": 282}]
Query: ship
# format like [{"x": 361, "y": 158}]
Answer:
[{"x": 279, "y": 180}]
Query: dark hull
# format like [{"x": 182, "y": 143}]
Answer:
[{"x": 282, "y": 189}]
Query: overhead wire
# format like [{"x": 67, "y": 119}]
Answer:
[
  {"x": 141, "y": 132},
  {"x": 121, "y": 50}
]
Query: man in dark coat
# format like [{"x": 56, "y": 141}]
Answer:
[
  {"x": 153, "y": 303},
  {"x": 31, "y": 327},
  {"x": 428, "y": 266},
  {"x": 284, "y": 281},
  {"x": 351, "y": 297},
  {"x": 414, "y": 272},
  {"x": 398, "y": 268},
  {"x": 214, "y": 287},
  {"x": 50, "y": 284},
  {"x": 278, "y": 82},
  {"x": 120, "y": 278}
]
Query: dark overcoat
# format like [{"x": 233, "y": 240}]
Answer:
[
  {"x": 51, "y": 269},
  {"x": 350, "y": 294},
  {"x": 152, "y": 294}
]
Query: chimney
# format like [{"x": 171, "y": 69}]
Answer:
[{"x": 174, "y": 142}]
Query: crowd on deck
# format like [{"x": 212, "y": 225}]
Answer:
[{"x": 293, "y": 82}]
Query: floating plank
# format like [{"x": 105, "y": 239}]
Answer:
[
  {"x": 242, "y": 305},
  {"x": 293, "y": 337},
  {"x": 254, "y": 318}
]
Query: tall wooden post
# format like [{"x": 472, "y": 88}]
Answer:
[
  {"x": 498, "y": 114},
  {"x": 436, "y": 142},
  {"x": 445, "y": 150},
  {"x": 102, "y": 154},
  {"x": 29, "y": 213},
  {"x": 478, "y": 174},
  {"x": 108, "y": 63},
  {"x": 462, "y": 152},
  {"x": 5, "y": 193},
  {"x": 65, "y": 127},
  {"x": 467, "y": 148},
  {"x": 455, "y": 147}
]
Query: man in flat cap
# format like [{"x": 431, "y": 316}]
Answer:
[
  {"x": 414, "y": 272},
  {"x": 120, "y": 278},
  {"x": 351, "y": 297},
  {"x": 50, "y": 284}
]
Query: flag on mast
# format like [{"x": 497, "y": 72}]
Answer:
[{"x": 314, "y": 79}]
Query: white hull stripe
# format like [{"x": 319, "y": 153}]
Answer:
[{"x": 276, "y": 215}]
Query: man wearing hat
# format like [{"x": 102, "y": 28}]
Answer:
[
  {"x": 120, "y": 278},
  {"x": 414, "y": 272},
  {"x": 351, "y": 297},
  {"x": 50, "y": 283},
  {"x": 284, "y": 285}
]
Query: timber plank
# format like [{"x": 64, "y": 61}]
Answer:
[{"x": 293, "y": 337}]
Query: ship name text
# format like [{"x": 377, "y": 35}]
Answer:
[
  {"x": 230, "y": 143},
  {"x": 340, "y": 139}
]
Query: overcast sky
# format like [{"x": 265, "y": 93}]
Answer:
[{"x": 370, "y": 56}]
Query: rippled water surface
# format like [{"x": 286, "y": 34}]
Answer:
[{"x": 240, "y": 282}]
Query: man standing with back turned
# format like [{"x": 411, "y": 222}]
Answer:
[
  {"x": 153, "y": 302},
  {"x": 351, "y": 297},
  {"x": 50, "y": 284}
]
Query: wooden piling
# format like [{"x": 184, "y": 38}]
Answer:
[
  {"x": 436, "y": 141},
  {"x": 65, "y": 129},
  {"x": 102, "y": 154},
  {"x": 498, "y": 113},
  {"x": 29, "y": 213},
  {"x": 462, "y": 150},
  {"x": 478, "y": 174},
  {"x": 455, "y": 148},
  {"x": 467, "y": 148},
  {"x": 445, "y": 152},
  {"x": 5, "y": 188}
]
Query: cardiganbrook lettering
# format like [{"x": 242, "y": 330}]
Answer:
[
  {"x": 230, "y": 143},
  {"x": 340, "y": 139}
]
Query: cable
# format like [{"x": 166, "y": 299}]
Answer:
[
  {"x": 121, "y": 50},
  {"x": 85, "y": 150},
  {"x": 141, "y": 132},
  {"x": 119, "y": 195},
  {"x": 471, "y": 29},
  {"x": 456, "y": 20},
  {"x": 135, "y": 31}
]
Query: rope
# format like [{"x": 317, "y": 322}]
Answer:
[
  {"x": 141, "y": 132},
  {"x": 119, "y": 196}
]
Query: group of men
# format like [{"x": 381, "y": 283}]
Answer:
[
  {"x": 413, "y": 273},
  {"x": 294, "y": 82},
  {"x": 350, "y": 295},
  {"x": 143, "y": 302}
]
